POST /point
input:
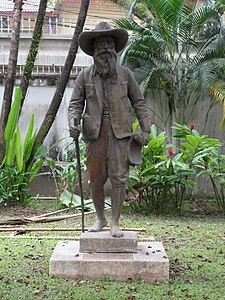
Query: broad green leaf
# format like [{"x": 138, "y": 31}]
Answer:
[
  {"x": 30, "y": 147},
  {"x": 146, "y": 170},
  {"x": 194, "y": 140},
  {"x": 13, "y": 116},
  {"x": 73, "y": 200},
  {"x": 162, "y": 157},
  {"x": 177, "y": 157},
  {"x": 34, "y": 170},
  {"x": 198, "y": 157},
  {"x": 164, "y": 162},
  {"x": 168, "y": 163},
  {"x": 189, "y": 147},
  {"x": 135, "y": 126},
  {"x": 51, "y": 163},
  {"x": 206, "y": 151},
  {"x": 19, "y": 151},
  {"x": 10, "y": 152},
  {"x": 186, "y": 153},
  {"x": 181, "y": 164},
  {"x": 29, "y": 139},
  {"x": 40, "y": 151},
  {"x": 185, "y": 172}
]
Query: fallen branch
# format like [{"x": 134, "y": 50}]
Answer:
[
  {"x": 23, "y": 229},
  {"x": 53, "y": 213},
  {"x": 46, "y": 219},
  {"x": 40, "y": 237},
  {"x": 39, "y": 219},
  {"x": 59, "y": 218},
  {"x": 58, "y": 237}
]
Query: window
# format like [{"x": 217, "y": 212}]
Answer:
[
  {"x": 50, "y": 25},
  {"x": 4, "y": 23}
]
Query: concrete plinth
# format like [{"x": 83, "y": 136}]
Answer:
[
  {"x": 103, "y": 242},
  {"x": 149, "y": 263}
]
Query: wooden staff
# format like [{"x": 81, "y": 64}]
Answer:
[{"x": 76, "y": 140}]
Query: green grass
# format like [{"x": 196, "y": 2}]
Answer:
[{"x": 195, "y": 246}]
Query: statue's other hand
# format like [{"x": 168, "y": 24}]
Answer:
[
  {"x": 142, "y": 138},
  {"x": 74, "y": 131},
  {"x": 145, "y": 138}
]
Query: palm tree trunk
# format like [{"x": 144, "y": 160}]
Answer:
[
  {"x": 11, "y": 74},
  {"x": 33, "y": 49}
]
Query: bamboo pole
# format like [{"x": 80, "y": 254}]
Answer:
[
  {"x": 23, "y": 229},
  {"x": 147, "y": 239},
  {"x": 40, "y": 237},
  {"x": 39, "y": 219},
  {"x": 52, "y": 213},
  {"x": 58, "y": 218}
]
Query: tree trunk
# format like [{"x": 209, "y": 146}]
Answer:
[
  {"x": 33, "y": 49},
  {"x": 11, "y": 74},
  {"x": 63, "y": 80}
]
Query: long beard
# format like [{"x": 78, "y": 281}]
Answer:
[{"x": 105, "y": 62}]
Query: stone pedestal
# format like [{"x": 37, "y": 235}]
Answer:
[
  {"x": 134, "y": 260},
  {"x": 103, "y": 242}
]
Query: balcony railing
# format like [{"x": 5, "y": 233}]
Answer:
[
  {"x": 42, "y": 70},
  {"x": 52, "y": 25}
]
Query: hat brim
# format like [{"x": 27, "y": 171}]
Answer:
[{"x": 86, "y": 39}]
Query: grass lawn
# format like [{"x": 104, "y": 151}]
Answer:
[{"x": 195, "y": 245}]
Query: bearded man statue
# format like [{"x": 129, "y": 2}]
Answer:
[{"x": 101, "y": 99}]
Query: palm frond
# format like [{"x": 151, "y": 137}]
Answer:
[
  {"x": 129, "y": 24},
  {"x": 209, "y": 55},
  {"x": 144, "y": 84},
  {"x": 193, "y": 27},
  {"x": 217, "y": 90},
  {"x": 201, "y": 15},
  {"x": 202, "y": 80}
]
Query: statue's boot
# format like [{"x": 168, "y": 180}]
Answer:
[
  {"x": 98, "y": 196},
  {"x": 117, "y": 196}
]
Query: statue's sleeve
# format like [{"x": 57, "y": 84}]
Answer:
[
  {"x": 138, "y": 102},
  {"x": 77, "y": 101}
]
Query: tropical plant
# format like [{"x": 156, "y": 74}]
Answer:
[
  {"x": 214, "y": 168},
  {"x": 177, "y": 46},
  {"x": 167, "y": 174},
  {"x": 15, "y": 175},
  {"x": 11, "y": 74}
]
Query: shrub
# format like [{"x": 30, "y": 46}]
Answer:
[{"x": 166, "y": 177}]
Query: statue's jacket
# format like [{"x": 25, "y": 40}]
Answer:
[{"x": 87, "y": 103}]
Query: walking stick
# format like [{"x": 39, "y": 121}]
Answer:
[{"x": 80, "y": 180}]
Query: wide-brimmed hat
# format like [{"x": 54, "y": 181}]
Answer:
[
  {"x": 134, "y": 152},
  {"x": 86, "y": 38}
]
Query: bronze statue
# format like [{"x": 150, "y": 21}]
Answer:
[{"x": 100, "y": 99}]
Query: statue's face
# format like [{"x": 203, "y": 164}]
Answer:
[
  {"x": 104, "y": 42},
  {"x": 105, "y": 56}
]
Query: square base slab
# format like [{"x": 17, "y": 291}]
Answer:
[
  {"x": 103, "y": 242},
  {"x": 150, "y": 263}
]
